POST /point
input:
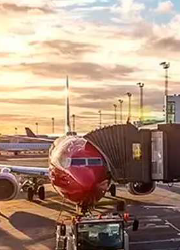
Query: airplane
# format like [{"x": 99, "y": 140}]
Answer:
[
  {"x": 148, "y": 123},
  {"x": 78, "y": 170},
  {"x": 18, "y": 147},
  {"x": 31, "y": 134}
]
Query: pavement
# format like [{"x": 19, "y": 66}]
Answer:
[{"x": 28, "y": 225}]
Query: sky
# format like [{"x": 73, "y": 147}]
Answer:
[{"x": 105, "y": 47}]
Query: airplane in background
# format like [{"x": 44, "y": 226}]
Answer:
[
  {"x": 19, "y": 147},
  {"x": 31, "y": 134},
  {"x": 149, "y": 123},
  {"x": 21, "y": 143},
  {"x": 78, "y": 170}
]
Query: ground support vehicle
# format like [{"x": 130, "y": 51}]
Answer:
[{"x": 102, "y": 232}]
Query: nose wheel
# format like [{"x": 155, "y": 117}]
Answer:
[{"x": 112, "y": 190}]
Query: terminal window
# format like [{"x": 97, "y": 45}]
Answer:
[{"x": 171, "y": 112}]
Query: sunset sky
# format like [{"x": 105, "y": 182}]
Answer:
[{"x": 104, "y": 46}]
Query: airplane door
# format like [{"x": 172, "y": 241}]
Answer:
[{"x": 157, "y": 159}]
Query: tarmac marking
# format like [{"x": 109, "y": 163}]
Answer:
[
  {"x": 166, "y": 248},
  {"x": 151, "y": 220},
  {"x": 151, "y": 225},
  {"x": 161, "y": 206},
  {"x": 170, "y": 224},
  {"x": 148, "y": 216},
  {"x": 154, "y": 241},
  {"x": 161, "y": 226}
]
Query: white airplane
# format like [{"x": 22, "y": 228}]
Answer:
[
  {"x": 18, "y": 147},
  {"x": 31, "y": 134}
]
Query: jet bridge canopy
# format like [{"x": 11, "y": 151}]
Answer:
[
  {"x": 140, "y": 155},
  {"x": 128, "y": 151}
]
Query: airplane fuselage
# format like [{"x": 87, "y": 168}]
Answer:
[
  {"x": 17, "y": 147},
  {"x": 78, "y": 170}
]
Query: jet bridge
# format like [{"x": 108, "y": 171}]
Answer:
[
  {"x": 140, "y": 155},
  {"x": 128, "y": 151}
]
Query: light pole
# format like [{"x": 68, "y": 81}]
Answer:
[
  {"x": 141, "y": 85},
  {"x": 120, "y": 111},
  {"x": 129, "y": 106},
  {"x": 74, "y": 122},
  {"x": 52, "y": 124},
  {"x": 166, "y": 67},
  {"x": 115, "y": 113},
  {"x": 100, "y": 118},
  {"x": 36, "y": 127},
  {"x": 16, "y": 131}
]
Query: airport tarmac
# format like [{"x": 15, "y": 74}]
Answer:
[{"x": 28, "y": 225}]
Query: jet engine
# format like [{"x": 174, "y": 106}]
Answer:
[
  {"x": 9, "y": 186},
  {"x": 141, "y": 188}
]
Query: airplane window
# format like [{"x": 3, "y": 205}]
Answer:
[
  {"x": 78, "y": 161},
  {"x": 94, "y": 162}
]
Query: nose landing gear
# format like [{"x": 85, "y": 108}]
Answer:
[{"x": 112, "y": 190}]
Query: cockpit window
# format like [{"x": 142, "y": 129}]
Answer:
[
  {"x": 78, "y": 161},
  {"x": 86, "y": 161},
  {"x": 94, "y": 162}
]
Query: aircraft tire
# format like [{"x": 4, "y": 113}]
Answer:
[
  {"x": 41, "y": 193},
  {"x": 112, "y": 190},
  {"x": 30, "y": 194}
]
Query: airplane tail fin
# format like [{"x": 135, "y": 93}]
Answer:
[
  {"x": 67, "y": 118},
  {"x": 29, "y": 132}
]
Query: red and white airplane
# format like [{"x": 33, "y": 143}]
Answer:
[{"x": 77, "y": 170}]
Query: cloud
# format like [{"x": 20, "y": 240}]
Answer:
[
  {"x": 129, "y": 10},
  {"x": 6, "y": 7},
  {"x": 69, "y": 3},
  {"x": 138, "y": 31},
  {"x": 6, "y": 54},
  {"x": 78, "y": 70},
  {"x": 160, "y": 46},
  {"x": 104, "y": 99},
  {"x": 66, "y": 47},
  {"x": 164, "y": 7},
  {"x": 91, "y": 97},
  {"x": 34, "y": 101},
  {"x": 167, "y": 43}
]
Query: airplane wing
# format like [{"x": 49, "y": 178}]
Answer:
[
  {"x": 18, "y": 150},
  {"x": 34, "y": 139},
  {"x": 37, "y": 171}
]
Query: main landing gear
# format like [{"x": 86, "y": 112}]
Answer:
[
  {"x": 32, "y": 191},
  {"x": 34, "y": 187}
]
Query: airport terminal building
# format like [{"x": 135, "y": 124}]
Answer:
[{"x": 173, "y": 109}]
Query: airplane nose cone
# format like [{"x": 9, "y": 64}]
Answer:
[
  {"x": 85, "y": 177},
  {"x": 92, "y": 183}
]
